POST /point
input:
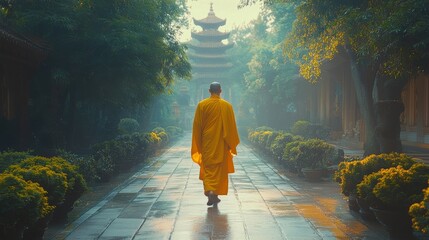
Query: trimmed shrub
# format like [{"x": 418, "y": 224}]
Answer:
[
  {"x": 85, "y": 165},
  {"x": 75, "y": 181},
  {"x": 128, "y": 126},
  {"x": 419, "y": 213},
  {"x": 8, "y": 158},
  {"x": 301, "y": 128},
  {"x": 290, "y": 154},
  {"x": 279, "y": 143},
  {"x": 351, "y": 173},
  {"x": 22, "y": 203},
  {"x": 104, "y": 165},
  {"x": 174, "y": 132},
  {"x": 313, "y": 153},
  {"x": 54, "y": 183},
  {"x": 394, "y": 188},
  {"x": 309, "y": 130}
]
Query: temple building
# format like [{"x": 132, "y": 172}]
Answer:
[
  {"x": 19, "y": 59},
  {"x": 332, "y": 102},
  {"x": 208, "y": 58}
]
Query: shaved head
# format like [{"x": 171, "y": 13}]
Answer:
[{"x": 215, "y": 88}]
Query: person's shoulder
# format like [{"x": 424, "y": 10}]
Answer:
[
  {"x": 203, "y": 101},
  {"x": 226, "y": 102}
]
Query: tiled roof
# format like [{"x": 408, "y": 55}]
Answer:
[
  {"x": 11, "y": 37},
  {"x": 211, "y": 19}
]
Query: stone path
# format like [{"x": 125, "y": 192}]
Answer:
[{"x": 165, "y": 201}]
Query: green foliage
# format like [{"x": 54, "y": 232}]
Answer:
[
  {"x": 269, "y": 81},
  {"x": 128, "y": 126},
  {"x": 54, "y": 183},
  {"x": 162, "y": 134},
  {"x": 120, "y": 54},
  {"x": 126, "y": 150},
  {"x": 378, "y": 32},
  {"x": 174, "y": 132},
  {"x": 22, "y": 202},
  {"x": 76, "y": 184},
  {"x": 312, "y": 153},
  {"x": 8, "y": 158},
  {"x": 290, "y": 153},
  {"x": 158, "y": 130},
  {"x": 307, "y": 130},
  {"x": 114, "y": 153},
  {"x": 302, "y": 128},
  {"x": 279, "y": 143},
  {"x": 395, "y": 187},
  {"x": 420, "y": 213},
  {"x": 86, "y": 165},
  {"x": 351, "y": 173},
  {"x": 104, "y": 165}
]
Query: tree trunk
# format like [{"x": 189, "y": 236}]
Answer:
[
  {"x": 388, "y": 108},
  {"x": 363, "y": 78},
  {"x": 388, "y": 126}
]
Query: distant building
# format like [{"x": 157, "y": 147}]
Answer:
[{"x": 208, "y": 58}]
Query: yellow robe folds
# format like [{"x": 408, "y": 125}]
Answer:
[{"x": 214, "y": 142}]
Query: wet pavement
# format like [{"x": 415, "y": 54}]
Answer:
[{"x": 165, "y": 201}]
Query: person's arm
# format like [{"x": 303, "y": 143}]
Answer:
[
  {"x": 230, "y": 133},
  {"x": 197, "y": 136}
]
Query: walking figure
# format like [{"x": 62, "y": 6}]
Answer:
[{"x": 214, "y": 142}]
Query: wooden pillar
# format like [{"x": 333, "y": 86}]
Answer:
[{"x": 419, "y": 111}]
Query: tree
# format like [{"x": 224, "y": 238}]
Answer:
[
  {"x": 107, "y": 60},
  {"x": 387, "y": 43},
  {"x": 269, "y": 82}
]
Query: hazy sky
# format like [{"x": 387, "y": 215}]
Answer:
[{"x": 223, "y": 9}]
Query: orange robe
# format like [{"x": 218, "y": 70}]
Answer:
[{"x": 214, "y": 143}]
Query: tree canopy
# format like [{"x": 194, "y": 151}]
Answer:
[
  {"x": 106, "y": 59},
  {"x": 392, "y": 35},
  {"x": 269, "y": 82},
  {"x": 385, "y": 42}
]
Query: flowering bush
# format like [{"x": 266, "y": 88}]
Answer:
[
  {"x": 263, "y": 138},
  {"x": 54, "y": 183},
  {"x": 351, "y": 173},
  {"x": 419, "y": 213},
  {"x": 279, "y": 143},
  {"x": 8, "y": 158},
  {"x": 75, "y": 181},
  {"x": 22, "y": 203},
  {"x": 162, "y": 134},
  {"x": 254, "y": 134},
  {"x": 395, "y": 187}
]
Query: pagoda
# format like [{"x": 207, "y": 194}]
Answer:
[{"x": 208, "y": 58}]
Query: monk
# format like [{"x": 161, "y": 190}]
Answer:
[{"x": 214, "y": 143}]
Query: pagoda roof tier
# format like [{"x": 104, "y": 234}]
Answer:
[
  {"x": 208, "y": 76},
  {"x": 210, "y": 35},
  {"x": 211, "y": 21},
  {"x": 211, "y": 66},
  {"x": 207, "y": 56},
  {"x": 211, "y": 46}
]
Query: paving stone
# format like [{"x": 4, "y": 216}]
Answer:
[{"x": 165, "y": 201}]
